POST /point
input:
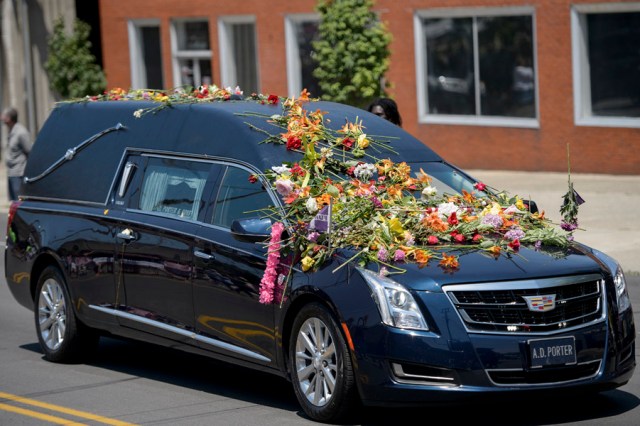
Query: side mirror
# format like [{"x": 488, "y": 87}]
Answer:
[{"x": 251, "y": 230}]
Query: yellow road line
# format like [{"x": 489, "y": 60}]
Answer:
[
  {"x": 60, "y": 409},
  {"x": 39, "y": 416}
]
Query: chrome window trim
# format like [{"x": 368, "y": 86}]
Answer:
[
  {"x": 527, "y": 285},
  {"x": 181, "y": 332}
]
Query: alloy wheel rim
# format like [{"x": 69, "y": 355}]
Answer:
[
  {"x": 52, "y": 317},
  {"x": 316, "y": 362}
]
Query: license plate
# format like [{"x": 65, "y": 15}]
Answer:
[{"x": 555, "y": 351}]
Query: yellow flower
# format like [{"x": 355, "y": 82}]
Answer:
[
  {"x": 363, "y": 142},
  {"x": 396, "y": 227},
  {"x": 307, "y": 263},
  {"x": 520, "y": 205}
]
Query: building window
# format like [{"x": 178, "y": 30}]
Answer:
[
  {"x": 191, "y": 53},
  {"x": 477, "y": 66},
  {"x": 238, "y": 53},
  {"x": 146, "y": 54},
  {"x": 300, "y": 32},
  {"x": 606, "y": 60}
]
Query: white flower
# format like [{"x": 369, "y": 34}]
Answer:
[
  {"x": 429, "y": 191},
  {"x": 364, "y": 171},
  {"x": 137, "y": 113},
  {"x": 281, "y": 169},
  {"x": 312, "y": 205},
  {"x": 512, "y": 209},
  {"x": 446, "y": 209}
]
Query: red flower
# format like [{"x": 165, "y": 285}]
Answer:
[
  {"x": 350, "y": 170},
  {"x": 515, "y": 244},
  {"x": 453, "y": 219},
  {"x": 432, "y": 240},
  {"x": 347, "y": 143},
  {"x": 253, "y": 178},
  {"x": 480, "y": 186},
  {"x": 477, "y": 238},
  {"x": 293, "y": 142},
  {"x": 273, "y": 99},
  {"x": 296, "y": 170},
  {"x": 459, "y": 238}
]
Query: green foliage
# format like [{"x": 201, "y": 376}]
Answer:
[
  {"x": 72, "y": 69},
  {"x": 352, "y": 52}
]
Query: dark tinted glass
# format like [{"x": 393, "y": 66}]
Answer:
[
  {"x": 238, "y": 198},
  {"x": 614, "y": 63}
]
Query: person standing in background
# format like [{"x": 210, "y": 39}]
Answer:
[
  {"x": 17, "y": 151},
  {"x": 386, "y": 108}
]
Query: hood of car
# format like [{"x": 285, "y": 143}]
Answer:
[{"x": 477, "y": 266}]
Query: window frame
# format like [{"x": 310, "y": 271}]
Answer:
[
  {"x": 138, "y": 67},
  {"x": 424, "y": 117},
  {"x": 228, "y": 71},
  {"x": 583, "y": 114},
  {"x": 177, "y": 55},
  {"x": 294, "y": 67}
]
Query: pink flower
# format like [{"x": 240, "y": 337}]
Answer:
[
  {"x": 480, "y": 186},
  {"x": 284, "y": 187},
  {"x": 268, "y": 281},
  {"x": 432, "y": 240}
]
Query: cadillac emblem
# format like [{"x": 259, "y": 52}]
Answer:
[{"x": 542, "y": 303}]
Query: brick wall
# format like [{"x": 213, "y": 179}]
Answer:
[{"x": 614, "y": 150}]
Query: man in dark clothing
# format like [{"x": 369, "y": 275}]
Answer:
[{"x": 17, "y": 150}]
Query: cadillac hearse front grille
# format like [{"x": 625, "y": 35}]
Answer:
[{"x": 531, "y": 306}]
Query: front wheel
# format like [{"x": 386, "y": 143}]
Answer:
[
  {"x": 320, "y": 364},
  {"x": 62, "y": 337}
]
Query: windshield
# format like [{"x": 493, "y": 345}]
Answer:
[{"x": 446, "y": 178}]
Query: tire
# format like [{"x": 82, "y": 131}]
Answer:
[
  {"x": 320, "y": 365},
  {"x": 62, "y": 337}
]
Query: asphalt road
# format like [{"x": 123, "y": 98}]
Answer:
[{"x": 143, "y": 384}]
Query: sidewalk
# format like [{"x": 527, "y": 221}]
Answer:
[{"x": 608, "y": 217}]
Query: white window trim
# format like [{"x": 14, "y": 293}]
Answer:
[
  {"x": 138, "y": 67},
  {"x": 227, "y": 65},
  {"x": 581, "y": 79},
  {"x": 420, "y": 53},
  {"x": 294, "y": 70},
  {"x": 193, "y": 54}
]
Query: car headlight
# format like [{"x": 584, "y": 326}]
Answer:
[
  {"x": 622, "y": 296},
  {"x": 397, "y": 306}
]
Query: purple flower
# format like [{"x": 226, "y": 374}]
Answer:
[
  {"x": 313, "y": 236},
  {"x": 383, "y": 255},
  {"x": 493, "y": 220},
  {"x": 376, "y": 203},
  {"x": 399, "y": 255},
  {"x": 538, "y": 245},
  {"x": 514, "y": 233},
  {"x": 568, "y": 226}
]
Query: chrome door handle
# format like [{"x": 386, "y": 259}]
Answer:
[
  {"x": 203, "y": 255},
  {"x": 127, "y": 235}
]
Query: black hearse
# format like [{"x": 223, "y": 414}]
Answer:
[{"x": 145, "y": 227}]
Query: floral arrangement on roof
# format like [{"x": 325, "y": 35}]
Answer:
[{"x": 339, "y": 196}]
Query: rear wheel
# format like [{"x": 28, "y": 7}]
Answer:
[
  {"x": 320, "y": 364},
  {"x": 62, "y": 337}
]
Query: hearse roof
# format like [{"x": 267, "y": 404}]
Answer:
[{"x": 231, "y": 129}]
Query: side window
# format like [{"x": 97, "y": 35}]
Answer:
[
  {"x": 174, "y": 187},
  {"x": 238, "y": 198}
]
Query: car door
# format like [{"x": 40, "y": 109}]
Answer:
[
  {"x": 229, "y": 317},
  {"x": 155, "y": 247}
]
